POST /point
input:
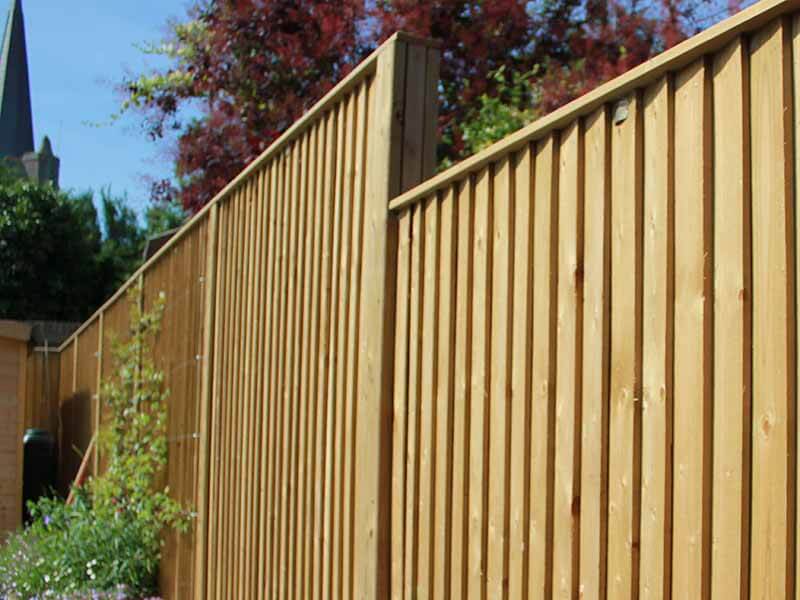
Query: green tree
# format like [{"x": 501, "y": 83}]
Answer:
[
  {"x": 163, "y": 216},
  {"x": 123, "y": 240},
  {"x": 56, "y": 261},
  {"x": 49, "y": 244}
]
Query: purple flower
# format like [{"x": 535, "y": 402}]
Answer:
[{"x": 47, "y": 520}]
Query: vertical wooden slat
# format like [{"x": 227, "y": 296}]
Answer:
[
  {"x": 428, "y": 399},
  {"x": 332, "y": 580},
  {"x": 326, "y": 300},
  {"x": 520, "y": 358},
  {"x": 219, "y": 404},
  {"x": 342, "y": 356},
  {"x": 247, "y": 393},
  {"x": 256, "y": 504},
  {"x": 301, "y": 319},
  {"x": 271, "y": 347},
  {"x": 625, "y": 307},
  {"x": 249, "y": 479},
  {"x": 596, "y": 308},
  {"x": 656, "y": 339},
  {"x": 414, "y": 365},
  {"x": 774, "y": 317},
  {"x": 206, "y": 410},
  {"x": 306, "y": 364},
  {"x": 356, "y": 263},
  {"x": 566, "y": 525},
  {"x": 444, "y": 394},
  {"x": 98, "y": 400},
  {"x": 287, "y": 391},
  {"x": 225, "y": 552},
  {"x": 462, "y": 395},
  {"x": 543, "y": 368},
  {"x": 400, "y": 420},
  {"x": 237, "y": 399},
  {"x": 216, "y": 580},
  {"x": 279, "y": 339},
  {"x": 732, "y": 325},
  {"x": 479, "y": 383},
  {"x": 264, "y": 397},
  {"x": 796, "y": 162},
  {"x": 315, "y": 405},
  {"x": 692, "y": 320},
  {"x": 502, "y": 309}
]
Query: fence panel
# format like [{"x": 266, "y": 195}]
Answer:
[
  {"x": 566, "y": 366},
  {"x": 42, "y": 387},
  {"x": 608, "y": 407},
  {"x": 77, "y": 400},
  {"x": 264, "y": 347},
  {"x": 179, "y": 274}
]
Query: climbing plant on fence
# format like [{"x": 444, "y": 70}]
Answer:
[{"x": 109, "y": 539}]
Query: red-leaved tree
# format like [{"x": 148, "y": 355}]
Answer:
[{"x": 254, "y": 66}]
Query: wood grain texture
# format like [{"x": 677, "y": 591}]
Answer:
[
  {"x": 566, "y": 525},
  {"x": 479, "y": 384},
  {"x": 566, "y": 367},
  {"x": 520, "y": 377},
  {"x": 543, "y": 369},
  {"x": 596, "y": 324},
  {"x": 774, "y": 318},
  {"x": 657, "y": 393},
  {"x": 624, "y": 400},
  {"x": 732, "y": 325}
]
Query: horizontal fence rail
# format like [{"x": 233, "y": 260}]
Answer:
[{"x": 565, "y": 367}]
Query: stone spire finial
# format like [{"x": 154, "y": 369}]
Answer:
[{"x": 16, "y": 121}]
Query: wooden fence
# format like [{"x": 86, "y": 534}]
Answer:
[
  {"x": 566, "y": 367},
  {"x": 272, "y": 343},
  {"x": 596, "y": 384}
]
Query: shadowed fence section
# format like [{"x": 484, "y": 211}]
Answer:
[{"x": 565, "y": 367}]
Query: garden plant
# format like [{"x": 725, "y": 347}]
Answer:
[{"x": 107, "y": 543}]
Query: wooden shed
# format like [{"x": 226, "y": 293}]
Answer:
[{"x": 14, "y": 337}]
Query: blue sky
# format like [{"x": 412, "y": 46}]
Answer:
[{"x": 77, "y": 52}]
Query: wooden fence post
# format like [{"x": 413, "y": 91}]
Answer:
[
  {"x": 203, "y": 460},
  {"x": 402, "y": 153},
  {"x": 98, "y": 404}
]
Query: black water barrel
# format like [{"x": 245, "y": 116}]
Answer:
[{"x": 39, "y": 467}]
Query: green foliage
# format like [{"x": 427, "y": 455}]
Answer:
[
  {"x": 124, "y": 238},
  {"x": 134, "y": 441},
  {"x": 188, "y": 40},
  {"x": 510, "y": 107},
  {"x": 163, "y": 216},
  {"x": 49, "y": 243},
  {"x": 121, "y": 250},
  {"x": 72, "y": 549},
  {"x": 110, "y": 539},
  {"x": 56, "y": 263}
]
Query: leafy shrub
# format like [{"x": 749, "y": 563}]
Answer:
[
  {"x": 109, "y": 540},
  {"x": 69, "y": 549},
  {"x": 496, "y": 116}
]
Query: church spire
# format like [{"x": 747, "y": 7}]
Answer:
[{"x": 16, "y": 122}]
